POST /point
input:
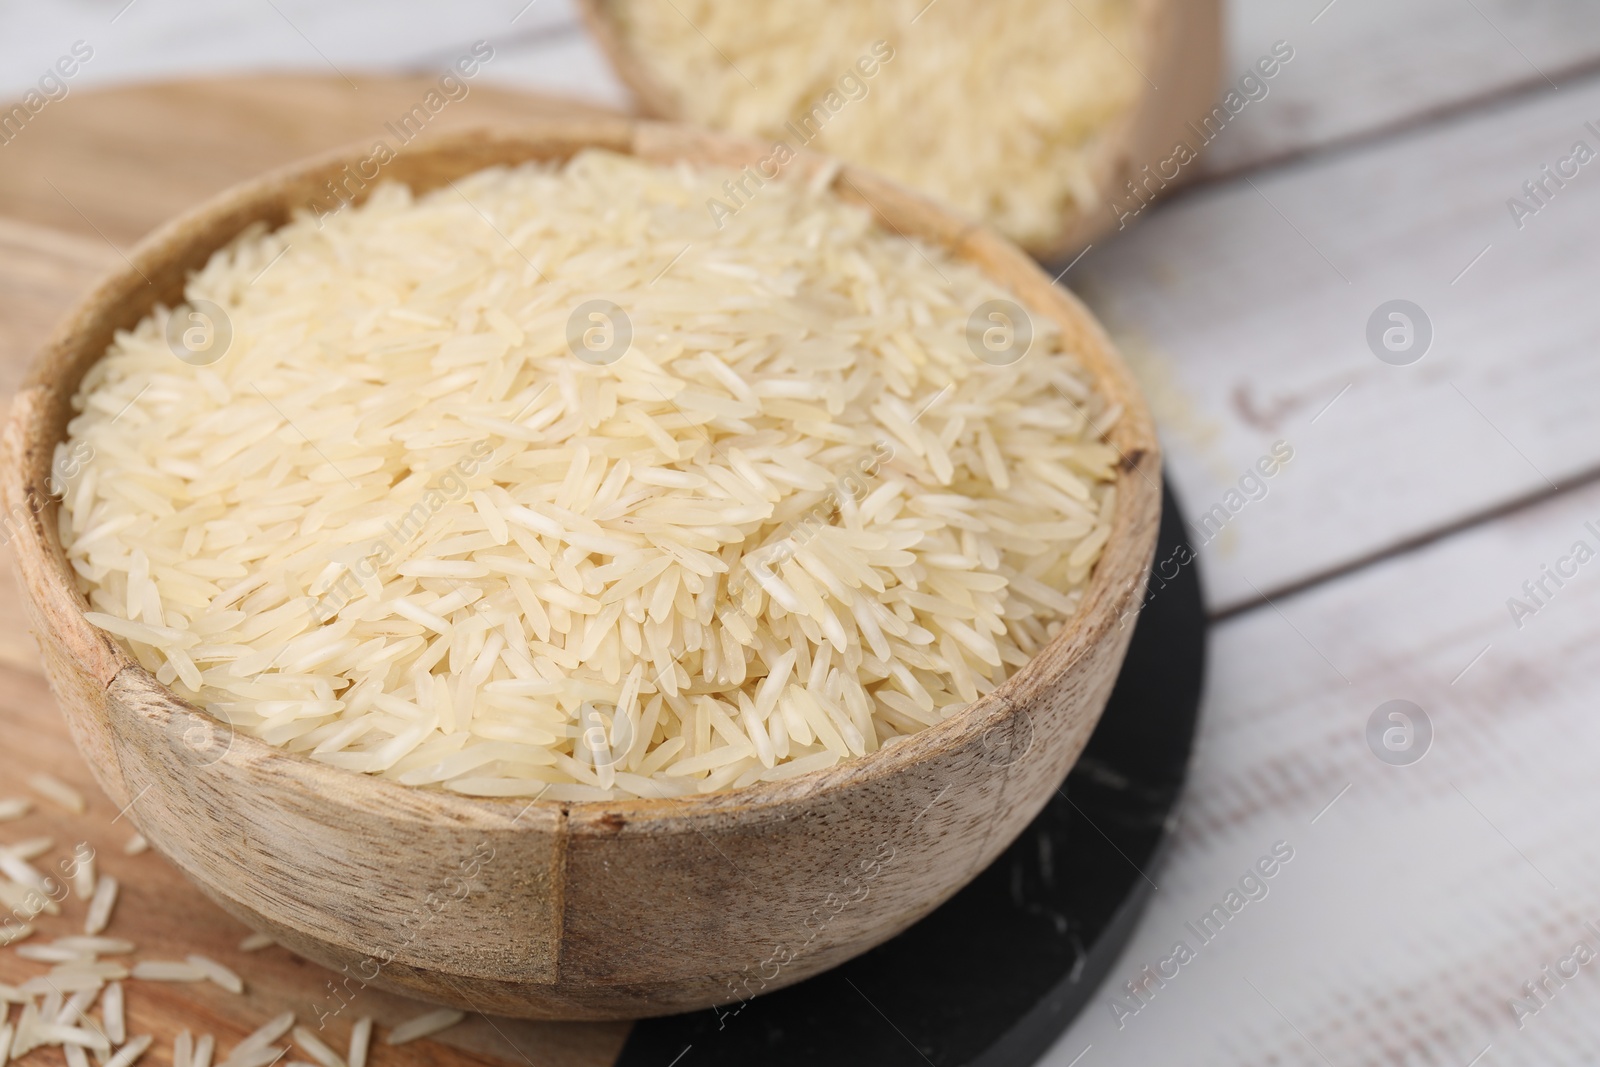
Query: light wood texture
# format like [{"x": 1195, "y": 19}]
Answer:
[
  {"x": 1245, "y": 306},
  {"x": 1362, "y": 68},
  {"x": 1181, "y": 71},
  {"x": 214, "y": 135},
  {"x": 1418, "y": 904},
  {"x": 594, "y": 910}
]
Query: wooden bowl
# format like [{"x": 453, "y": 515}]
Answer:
[
  {"x": 1182, "y": 73},
  {"x": 566, "y": 910}
]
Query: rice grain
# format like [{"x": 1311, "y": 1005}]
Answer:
[
  {"x": 425, "y": 1025},
  {"x": 59, "y": 793}
]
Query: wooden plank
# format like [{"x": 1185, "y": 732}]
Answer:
[
  {"x": 113, "y": 165},
  {"x": 141, "y": 41},
  {"x": 1419, "y": 903},
  {"x": 1245, "y": 308},
  {"x": 1362, "y": 66}
]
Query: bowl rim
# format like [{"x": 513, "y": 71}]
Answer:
[{"x": 158, "y": 265}]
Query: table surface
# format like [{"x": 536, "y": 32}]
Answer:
[{"x": 1385, "y": 562}]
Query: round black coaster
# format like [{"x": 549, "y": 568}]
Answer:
[{"x": 994, "y": 976}]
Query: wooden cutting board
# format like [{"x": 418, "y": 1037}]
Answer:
[{"x": 84, "y": 181}]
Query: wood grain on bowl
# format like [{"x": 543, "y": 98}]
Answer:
[{"x": 571, "y": 910}]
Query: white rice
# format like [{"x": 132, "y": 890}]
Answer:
[
  {"x": 204, "y": 1049},
  {"x": 30, "y": 848},
  {"x": 256, "y": 942},
  {"x": 11, "y": 933},
  {"x": 111, "y": 1014},
  {"x": 58, "y": 792},
  {"x": 998, "y": 107},
  {"x": 316, "y": 1048},
  {"x": 58, "y": 983},
  {"x": 97, "y": 946},
  {"x": 21, "y": 871},
  {"x": 167, "y": 971},
  {"x": 61, "y": 1034},
  {"x": 83, "y": 881},
  {"x": 52, "y": 954},
  {"x": 136, "y": 846},
  {"x": 269, "y": 1032},
  {"x": 401, "y": 528},
  {"x": 13, "y": 808},
  {"x": 129, "y": 1054},
  {"x": 425, "y": 1025},
  {"x": 360, "y": 1042},
  {"x": 101, "y": 905},
  {"x": 217, "y": 973},
  {"x": 261, "y": 1057}
]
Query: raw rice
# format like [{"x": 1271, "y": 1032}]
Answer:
[
  {"x": 261, "y": 1057},
  {"x": 97, "y": 946},
  {"x": 57, "y": 983},
  {"x": 136, "y": 846},
  {"x": 424, "y": 1026},
  {"x": 83, "y": 882},
  {"x": 29, "y": 849},
  {"x": 203, "y": 1051},
  {"x": 360, "y": 1042},
  {"x": 998, "y": 107},
  {"x": 167, "y": 971},
  {"x": 128, "y": 1054},
  {"x": 256, "y": 942},
  {"x": 101, "y": 905},
  {"x": 217, "y": 973},
  {"x": 58, "y": 792},
  {"x": 77, "y": 971},
  {"x": 316, "y": 1048},
  {"x": 269, "y": 1032},
  {"x": 13, "y": 808},
  {"x": 52, "y": 954},
  {"x": 60, "y": 1034},
  {"x": 21, "y": 871},
  {"x": 111, "y": 1013},
  {"x": 498, "y": 568}
]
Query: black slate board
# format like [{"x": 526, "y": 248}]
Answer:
[{"x": 994, "y": 976}]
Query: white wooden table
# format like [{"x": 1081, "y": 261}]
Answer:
[{"x": 1420, "y": 898}]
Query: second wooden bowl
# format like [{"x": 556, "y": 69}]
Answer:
[
  {"x": 1180, "y": 74},
  {"x": 566, "y": 910}
]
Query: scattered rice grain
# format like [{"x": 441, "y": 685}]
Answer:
[
  {"x": 101, "y": 906},
  {"x": 129, "y": 1054},
  {"x": 360, "y": 1042},
  {"x": 58, "y": 792},
  {"x": 217, "y": 973},
  {"x": 424, "y": 1026},
  {"x": 317, "y": 1048}
]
